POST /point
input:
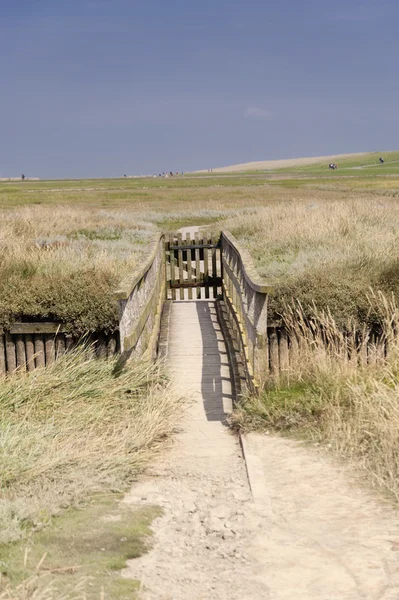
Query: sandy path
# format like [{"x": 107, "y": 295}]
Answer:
[{"x": 307, "y": 534}]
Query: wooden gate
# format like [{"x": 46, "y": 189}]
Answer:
[{"x": 193, "y": 266}]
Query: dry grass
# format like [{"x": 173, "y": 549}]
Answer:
[
  {"x": 73, "y": 429},
  {"x": 332, "y": 397},
  {"x": 326, "y": 254}
]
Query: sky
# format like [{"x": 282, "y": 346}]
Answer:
[{"x": 102, "y": 88}]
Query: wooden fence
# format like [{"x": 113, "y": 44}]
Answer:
[{"x": 27, "y": 346}]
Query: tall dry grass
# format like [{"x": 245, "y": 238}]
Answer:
[
  {"x": 73, "y": 429},
  {"x": 325, "y": 254},
  {"x": 334, "y": 397}
]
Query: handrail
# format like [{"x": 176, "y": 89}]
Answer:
[
  {"x": 249, "y": 270},
  {"x": 245, "y": 296},
  {"x": 140, "y": 298}
]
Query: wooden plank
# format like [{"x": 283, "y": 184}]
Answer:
[
  {"x": 273, "y": 352},
  {"x": 214, "y": 266},
  {"x": 60, "y": 346},
  {"x": 30, "y": 328},
  {"x": 20, "y": 351},
  {"x": 40, "y": 360},
  {"x": 11, "y": 356},
  {"x": 2, "y": 355},
  {"x": 180, "y": 263},
  {"x": 69, "y": 343},
  {"x": 172, "y": 267},
  {"x": 206, "y": 264},
  {"x": 189, "y": 267},
  {"x": 111, "y": 346},
  {"x": 194, "y": 245},
  {"x": 30, "y": 353},
  {"x": 197, "y": 265},
  {"x": 49, "y": 345},
  {"x": 283, "y": 350},
  {"x": 193, "y": 284}
]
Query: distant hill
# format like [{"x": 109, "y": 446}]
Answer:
[{"x": 261, "y": 165}]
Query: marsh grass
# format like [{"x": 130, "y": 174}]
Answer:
[
  {"x": 73, "y": 429},
  {"x": 333, "y": 397}
]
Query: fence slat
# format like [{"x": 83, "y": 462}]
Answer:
[
  {"x": 11, "y": 356},
  {"x": 197, "y": 265},
  {"x": 214, "y": 240},
  {"x": 273, "y": 353},
  {"x": 49, "y": 343},
  {"x": 206, "y": 264},
  {"x": 21, "y": 354},
  {"x": 2, "y": 355},
  {"x": 111, "y": 346},
  {"x": 189, "y": 267},
  {"x": 172, "y": 265},
  {"x": 40, "y": 360},
  {"x": 60, "y": 345},
  {"x": 283, "y": 350},
  {"x": 180, "y": 263},
  {"x": 30, "y": 352}
]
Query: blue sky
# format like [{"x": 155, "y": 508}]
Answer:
[{"x": 107, "y": 87}]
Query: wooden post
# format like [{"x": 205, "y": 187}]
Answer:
[
  {"x": 30, "y": 352},
  {"x": 21, "y": 354},
  {"x": 283, "y": 351},
  {"x": 11, "y": 356},
  {"x": 189, "y": 267},
  {"x": 2, "y": 355},
  {"x": 111, "y": 347},
  {"x": 180, "y": 262},
  {"x": 214, "y": 265},
  {"x": 60, "y": 345},
  {"x": 273, "y": 353},
  {"x": 40, "y": 360},
  {"x": 206, "y": 240},
  {"x": 197, "y": 265},
  {"x": 49, "y": 348},
  {"x": 172, "y": 266}
]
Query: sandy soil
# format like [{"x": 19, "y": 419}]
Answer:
[{"x": 284, "y": 163}]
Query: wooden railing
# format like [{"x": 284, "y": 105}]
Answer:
[
  {"x": 246, "y": 298},
  {"x": 141, "y": 298}
]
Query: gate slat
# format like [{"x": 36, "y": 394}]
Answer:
[
  {"x": 197, "y": 265},
  {"x": 172, "y": 265},
  {"x": 189, "y": 269},
  {"x": 214, "y": 264},
  {"x": 180, "y": 263},
  {"x": 206, "y": 265}
]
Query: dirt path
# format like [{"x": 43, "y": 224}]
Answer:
[{"x": 306, "y": 535}]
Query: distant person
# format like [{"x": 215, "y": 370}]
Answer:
[
  {"x": 22, "y": 176},
  {"x": 381, "y": 160}
]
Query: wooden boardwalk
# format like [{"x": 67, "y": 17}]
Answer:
[{"x": 197, "y": 359}]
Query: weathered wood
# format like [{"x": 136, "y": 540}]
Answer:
[
  {"x": 172, "y": 267},
  {"x": 40, "y": 360},
  {"x": 111, "y": 346},
  {"x": 194, "y": 246},
  {"x": 30, "y": 352},
  {"x": 3, "y": 367},
  {"x": 274, "y": 353},
  {"x": 20, "y": 351},
  {"x": 49, "y": 343},
  {"x": 214, "y": 267},
  {"x": 197, "y": 265},
  {"x": 31, "y": 328},
  {"x": 206, "y": 263},
  {"x": 69, "y": 343},
  {"x": 293, "y": 351},
  {"x": 189, "y": 267},
  {"x": 11, "y": 356},
  {"x": 101, "y": 346},
  {"x": 180, "y": 262},
  {"x": 283, "y": 351},
  {"x": 212, "y": 281},
  {"x": 60, "y": 346}
]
